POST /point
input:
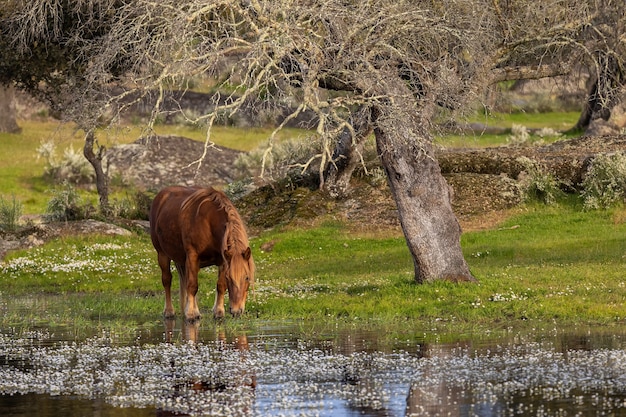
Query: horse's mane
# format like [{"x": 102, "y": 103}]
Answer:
[{"x": 235, "y": 236}]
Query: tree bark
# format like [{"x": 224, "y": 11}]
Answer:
[
  {"x": 8, "y": 123},
  {"x": 102, "y": 179},
  {"x": 593, "y": 107},
  {"x": 422, "y": 195},
  {"x": 529, "y": 72},
  {"x": 603, "y": 89}
]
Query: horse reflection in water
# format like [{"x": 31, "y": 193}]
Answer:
[
  {"x": 188, "y": 332},
  {"x": 214, "y": 387},
  {"x": 196, "y": 228}
]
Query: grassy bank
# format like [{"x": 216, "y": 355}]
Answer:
[{"x": 542, "y": 266}]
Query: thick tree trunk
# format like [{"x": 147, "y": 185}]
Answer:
[
  {"x": 8, "y": 123},
  {"x": 102, "y": 179},
  {"x": 603, "y": 89},
  {"x": 594, "y": 108},
  {"x": 346, "y": 155},
  {"x": 422, "y": 196}
]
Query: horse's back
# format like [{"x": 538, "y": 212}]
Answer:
[
  {"x": 180, "y": 220},
  {"x": 164, "y": 212},
  {"x": 169, "y": 195}
]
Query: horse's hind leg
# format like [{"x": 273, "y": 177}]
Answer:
[
  {"x": 166, "y": 279},
  {"x": 192, "y": 267},
  {"x": 182, "y": 275}
]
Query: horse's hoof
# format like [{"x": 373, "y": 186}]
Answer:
[
  {"x": 218, "y": 314},
  {"x": 192, "y": 317}
]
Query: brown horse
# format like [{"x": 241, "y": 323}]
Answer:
[{"x": 195, "y": 228}]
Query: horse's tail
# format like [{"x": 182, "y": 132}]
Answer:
[{"x": 182, "y": 275}]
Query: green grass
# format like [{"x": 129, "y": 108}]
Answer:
[
  {"x": 21, "y": 171},
  {"x": 560, "y": 122},
  {"x": 546, "y": 265}
]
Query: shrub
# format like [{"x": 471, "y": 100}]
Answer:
[
  {"x": 536, "y": 183},
  {"x": 300, "y": 156},
  {"x": 238, "y": 189},
  {"x": 135, "y": 206},
  {"x": 281, "y": 160},
  {"x": 519, "y": 135},
  {"x": 73, "y": 167},
  {"x": 10, "y": 212},
  {"x": 548, "y": 132},
  {"x": 605, "y": 181},
  {"x": 66, "y": 205}
]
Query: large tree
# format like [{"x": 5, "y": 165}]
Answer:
[
  {"x": 362, "y": 66},
  {"x": 584, "y": 39}
]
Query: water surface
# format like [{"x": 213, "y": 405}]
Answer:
[{"x": 282, "y": 370}]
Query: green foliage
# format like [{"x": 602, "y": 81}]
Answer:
[
  {"x": 537, "y": 184},
  {"x": 10, "y": 212},
  {"x": 133, "y": 205},
  {"x": 66, "y": 204},
  {"x": 605, "y": 182}
]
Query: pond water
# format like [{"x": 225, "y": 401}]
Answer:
[{"x": 283, "y": 370}]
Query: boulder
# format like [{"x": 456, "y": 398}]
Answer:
[{"x": 151, "y": 163}]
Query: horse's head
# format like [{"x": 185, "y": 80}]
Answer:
[{"x": 239, "y": 270}]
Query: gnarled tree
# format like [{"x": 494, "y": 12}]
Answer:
[{"x": 369, "y": 65}]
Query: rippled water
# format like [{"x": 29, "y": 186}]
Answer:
[{"x": 279, "y": 370}]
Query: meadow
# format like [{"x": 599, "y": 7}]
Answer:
[
  {"x": 539, "y": 266},
  {"x": 22, "y": 168}
]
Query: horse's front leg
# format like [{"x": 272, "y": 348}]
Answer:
[
  {"x": 192, "y": 267},
  {"x": 218, "y": 307},
  {"x": 166, "y": 279}
]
